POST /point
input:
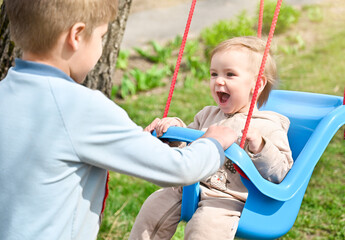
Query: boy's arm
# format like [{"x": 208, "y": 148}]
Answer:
[{"x": 105, "y": 137}]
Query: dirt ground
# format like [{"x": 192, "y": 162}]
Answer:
[{"x": 142, "y": 5}]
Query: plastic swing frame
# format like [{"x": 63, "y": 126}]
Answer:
[{"x": 271, "y": 209}]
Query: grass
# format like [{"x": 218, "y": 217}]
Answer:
[{"x": 319, "y": 67}]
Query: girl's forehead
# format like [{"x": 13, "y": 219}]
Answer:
[
  {"x": 235, "y": 59},
  {"x": 234, "y": 51},
  {"x": 231, "y": 55},
  {"x": 239, "y": 54}
]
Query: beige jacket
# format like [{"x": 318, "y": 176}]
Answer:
[{"x": 274, "y": 161}]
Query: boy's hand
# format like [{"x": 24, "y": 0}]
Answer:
[
  {"x": 224, "y": 135},
  {"x": 255, "y": 141},
  {"x": 152, "y": 125}
]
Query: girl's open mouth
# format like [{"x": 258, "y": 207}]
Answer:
[{"x": 223, "y": 97}]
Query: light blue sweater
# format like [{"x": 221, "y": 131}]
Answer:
[{"x": 58, "y": 138}]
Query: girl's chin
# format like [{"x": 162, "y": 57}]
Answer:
[
  {"x": 224, "y": 105},
  {"x": 226, "y": 110}
]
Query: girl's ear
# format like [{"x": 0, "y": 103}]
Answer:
[
  {"x": 262, "y": 84},
  {"x": 75, "y": 35}
]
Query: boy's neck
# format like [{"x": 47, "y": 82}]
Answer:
[{"x": 48, "y": 60}]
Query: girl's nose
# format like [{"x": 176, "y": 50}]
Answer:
[{"x": 220, "y": 81}]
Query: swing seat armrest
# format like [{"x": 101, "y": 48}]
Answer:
[
  {"x": 180, "y": 134},
  {"x": 280, "y": 192}
]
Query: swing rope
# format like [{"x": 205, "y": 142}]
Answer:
[
  {"x": 178, "y": 63},
  {"x": 257, "y": 85},
  {"x": 261, "y": 16},
  {"x": 262, "y": 67},
  {"x": 261, "y": 71}
]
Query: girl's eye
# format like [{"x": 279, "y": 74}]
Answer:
[
  {"x": 214, "y": 74},
  {"x": 230, "y": 74}
]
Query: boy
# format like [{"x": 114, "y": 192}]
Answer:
[
  {"x": 58, "y": 138},
  {"x": 234, "y": 67}
]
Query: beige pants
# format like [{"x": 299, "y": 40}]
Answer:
[{"x": 216, "y": 217}]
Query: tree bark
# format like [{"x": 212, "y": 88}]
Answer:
[
  {"x": 101, "y": 76},
  {"x": 6, "y": 46}
]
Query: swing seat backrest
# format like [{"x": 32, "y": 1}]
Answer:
[
  {"x": 271, "y": 209},
  {"x": 305, "y": 112},
  {"x": 314, "y": 119}
]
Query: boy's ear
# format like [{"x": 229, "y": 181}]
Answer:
[
  {"x": 262, "y": 82},
  {"x": 76, "y": 35}
]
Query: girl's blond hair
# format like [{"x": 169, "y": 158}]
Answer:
[
  {"x": 35, "y": 25},
  {"x": 256, "y": 49}
]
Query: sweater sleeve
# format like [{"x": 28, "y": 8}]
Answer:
[
  {"x": 196, "y": 124},
  {"x": 104, "y": 136},
  {"x": 275, "y": 159}
]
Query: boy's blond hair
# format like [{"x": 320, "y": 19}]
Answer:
[
  {"x": 256, "y": 49},
  {"x": 35, "y": 25}
]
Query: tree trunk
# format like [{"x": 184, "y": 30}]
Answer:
[
  {"x": 101, "y": 76},
  {"x": 6, "y": 46}
]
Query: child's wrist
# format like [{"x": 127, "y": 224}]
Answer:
[{"x": 258, "y": 148}]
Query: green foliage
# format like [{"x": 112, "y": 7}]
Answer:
[
  {"x": 127, "y": 87},
  {"x": 176, "y": 42},
  {"x": 288, "y": 16},
  {"x": 225, "y": 29},
  {"x": 159, "y": 54},
  {"x": 124, "y": 201},
  {"x": 197, "y": 68},
  {"x": 294, "y": 44},
  {"x": 320, "y": 69},
  {"x": 122, "y": 60},
  {"x": 314, "y": 13},
  {"x": 114, "y": 91},
  {"x": 150, "y": 79},
  {"x": 142, "y": 81},
  {"x": 191, "y": 48}
]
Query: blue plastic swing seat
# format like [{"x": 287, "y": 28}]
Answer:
[{"x": 271, "y": 209}]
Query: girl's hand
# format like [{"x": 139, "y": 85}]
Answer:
[
  {"x": 163, "y": 125},
  {"x": 255, "y": 141}
]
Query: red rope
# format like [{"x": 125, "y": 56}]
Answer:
[
  {"x": 261, "y": 15},
  {"x": 256, "y": 90},
  {"x": 178, "y": 63},
  {"x": 106, "y": 194}
]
